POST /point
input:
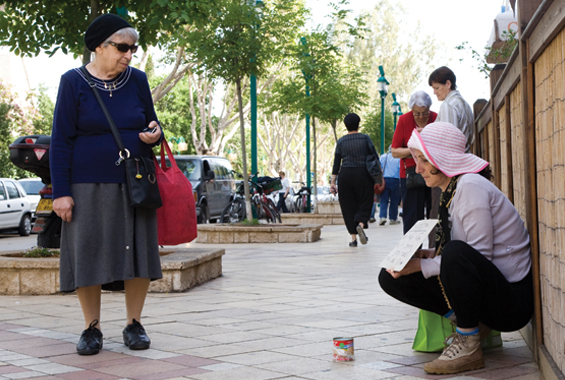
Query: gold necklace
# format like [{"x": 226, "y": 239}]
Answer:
[{"x": 109, "y": 86}]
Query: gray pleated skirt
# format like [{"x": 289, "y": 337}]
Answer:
[{"x": 107, "y": 241}]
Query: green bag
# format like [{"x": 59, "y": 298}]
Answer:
[{"x": 433, "y": 329}]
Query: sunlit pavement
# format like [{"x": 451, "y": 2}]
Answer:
[{"x": 272, "y": 315}]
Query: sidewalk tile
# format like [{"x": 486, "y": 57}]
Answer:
[
  {"x": 241, "y": 373},
  {"x": 52, "y": 368},
  {"x": 145, "y": 367},
  {"x": 87, "y": 375},
  {"x": 191, "y": 361},
  {"x": 46, "y": 351},
  {"x": 174, "y": 373}
]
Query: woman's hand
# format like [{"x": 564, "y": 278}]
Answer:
[
  {"x": 425, "y": 253},
  {"x": 333, "y": 189},
  {"x": 64, "y": 208},
  {"x": 151, "y": 137},
  {"x": 412, "y": 266}
]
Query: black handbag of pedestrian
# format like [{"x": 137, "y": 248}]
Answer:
[
  {"x": 141, "y": 180},
  {"x": 413, "y": 179},
  {"x": 373, "y": 165}
]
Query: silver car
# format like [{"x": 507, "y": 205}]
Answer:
[
  {"x": 15, "y": 209},
  {"x": 32, "y": 187}
]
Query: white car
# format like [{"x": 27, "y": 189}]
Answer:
[
  {"x": 15, "y": 209},
  {"x": 32, "y": 187}
]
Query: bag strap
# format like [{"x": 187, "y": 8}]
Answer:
[
  {"x": 124, "y": 153},
  {"x": 163, "y": 165}
]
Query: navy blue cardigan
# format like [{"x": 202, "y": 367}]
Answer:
[{"x": 83, "y": 149}]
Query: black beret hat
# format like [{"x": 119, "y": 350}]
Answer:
[{"x": 102, "y": 28}]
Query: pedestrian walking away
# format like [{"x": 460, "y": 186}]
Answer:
[
  {"x": 390, "y": 197},
  {"x": 479, "y": 276},
  {"x": 355, "y": 183},
  {"x": 105, "y": 242}
]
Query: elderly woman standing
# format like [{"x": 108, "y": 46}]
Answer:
[
  {"x": 480, "y": 272},
  {"x": 416, "y": 199},
  {"x": 105, "y": 243},
  {"x": 355, "y": 183}
]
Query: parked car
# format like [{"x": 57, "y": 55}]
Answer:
[
  {"x": 32, "y": 187},
  {"x": 212, "y": 183},
  {"x": 15, "y": 209},
  {"x": 324, "y": 194}
]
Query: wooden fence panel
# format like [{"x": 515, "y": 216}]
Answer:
[
  {"x": 504, "y": 153},
  {"x": 518, "y": 162},
  {"x": 491, "y": 141},
  {"x": 550, "y": 142}
]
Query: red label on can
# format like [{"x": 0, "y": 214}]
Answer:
[{"x": 343, "y": 349}]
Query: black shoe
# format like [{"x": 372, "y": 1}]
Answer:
[
  {"x": 135, "y": 337},
  {"x": 353, "y": 243},
  {"x": 362, "y": 237},
  {"x": 90, "y": 342}
]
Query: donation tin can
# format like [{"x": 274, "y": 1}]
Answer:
[{"x": 343, "y": 350}]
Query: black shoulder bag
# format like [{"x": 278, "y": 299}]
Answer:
[
  {"x": 373, "y": 164},
  {"x": 140, "y": 171}
]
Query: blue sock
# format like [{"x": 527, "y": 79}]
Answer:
[{"x": 474, "y": 332}]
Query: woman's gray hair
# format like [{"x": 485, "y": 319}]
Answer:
[
  {"x": 124, "y": 32},
  {"x": 420, "y": 99}
]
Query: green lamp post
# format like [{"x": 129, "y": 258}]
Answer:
[
  {"x": 395, "y": 109},
  {"x": 382, "y": 86},
  {"x": 307, "y": 77},
  {"x": 253, "y": 99}
]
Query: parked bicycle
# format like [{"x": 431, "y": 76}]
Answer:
[
  {"x": 262, "y": 206},
  {"x": 302, "y": 197}
]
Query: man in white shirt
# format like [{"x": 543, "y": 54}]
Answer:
[{"x": 283, "y": 193}]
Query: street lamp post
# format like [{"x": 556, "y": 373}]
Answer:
[
  {"x": 307, "y": 77},
  {"x": 395, "y": 109},
  {"x": 253, "y": 100},
  {"x": 382, "y": 85}
]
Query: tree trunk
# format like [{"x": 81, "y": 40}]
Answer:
[
  {"x": 94, "y": 12},
  {"x": 334, "y": 127},
  {"x": 315, "y": 168},
  {"x": 243, "y": 154}
]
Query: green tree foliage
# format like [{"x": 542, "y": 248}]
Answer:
[
  {"x": 15, "y": 120},
  {"x": 240, "y": 40},
  {"x": 371, "y": 125},
  {"x": 43, "y": 123},
  {"x": 404, "y": 51},
  {"x": 28, "y": 27},
  {"x": 172, "y": 111}
]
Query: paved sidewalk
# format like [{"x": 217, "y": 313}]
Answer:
[{"x": 272, "y": 315}]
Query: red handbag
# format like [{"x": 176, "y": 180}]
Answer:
[{"x": 176, "y": 220}]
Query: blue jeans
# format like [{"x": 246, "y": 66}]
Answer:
[{"x": 390, "y": 198}]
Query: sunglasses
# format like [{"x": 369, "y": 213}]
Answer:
[{"x": 123, "y": 48}]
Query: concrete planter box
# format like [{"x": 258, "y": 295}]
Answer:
[
  {"x": 183, "y": 268},
  {"x": 329, "y": 207},
  {"x": 265, "y": 233},
  {"x": 324, "y": 219}
]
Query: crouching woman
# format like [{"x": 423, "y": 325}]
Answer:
[{"x": 480, "y": 271}]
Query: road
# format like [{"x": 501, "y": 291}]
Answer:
[{"x": 12, "y": 242}]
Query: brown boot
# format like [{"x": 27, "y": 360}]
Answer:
[{"x": 463, "y": 354}]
